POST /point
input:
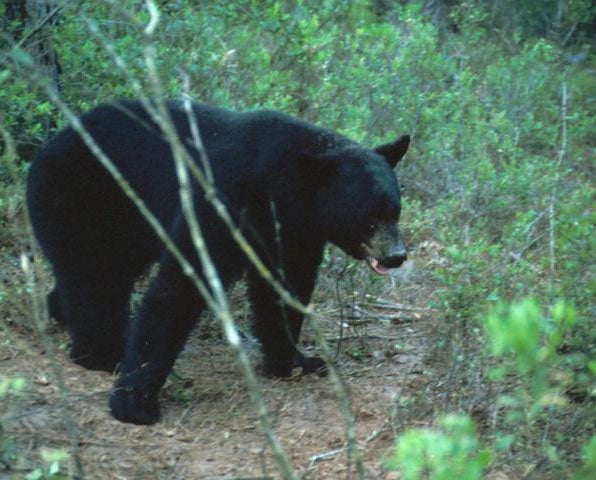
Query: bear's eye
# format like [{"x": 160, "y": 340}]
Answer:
[{"x": 372, "y": 227}]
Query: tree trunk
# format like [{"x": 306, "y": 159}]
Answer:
[{"x": 33, "y": 21}]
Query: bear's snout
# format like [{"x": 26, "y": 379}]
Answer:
[
  {"x": 385, "y": 250},
  {"x": 396, "y": 257},
  {"x": 388, "y": 247}
]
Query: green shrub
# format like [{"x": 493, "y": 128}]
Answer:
[
  {"x": 451, "y": 452},
  {"x": 529, "y": 342},
  {"x": 526, "y": 343}
]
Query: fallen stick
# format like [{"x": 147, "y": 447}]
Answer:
[
  {"x": 396, "y": 306},
  {"x": 325, "y": 456}
]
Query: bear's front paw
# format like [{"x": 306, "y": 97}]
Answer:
[
  {"x": 130, "y": 405},
  {"x": 310, "y": 365}
]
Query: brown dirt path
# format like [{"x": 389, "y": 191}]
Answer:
[{"x": 209, "y": 428}]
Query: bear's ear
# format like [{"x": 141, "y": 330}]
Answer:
[{"x": 393, "y": 152}]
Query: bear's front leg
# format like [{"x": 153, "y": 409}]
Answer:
[
  {"x": 277, "y": 326},
  {"x": 169, "y": 311}
]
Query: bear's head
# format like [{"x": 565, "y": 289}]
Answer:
[{"x": 360, "y": 205}]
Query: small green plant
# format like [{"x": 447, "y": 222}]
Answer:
[
  {"x": 450, "y": 452},
  {"x": 53, "y": 460},
  {"x": 528, "y": 342},
  {"x": 179, "y": 389},
  {"x": 12, "y": 386},
  {"x": 588, "y": 470},
  {"x": 9, "y": 387}
]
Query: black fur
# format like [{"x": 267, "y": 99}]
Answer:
[{"x": 319, "y": 186}]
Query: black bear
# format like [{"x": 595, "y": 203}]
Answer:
[{"x": 290, "y": 186}]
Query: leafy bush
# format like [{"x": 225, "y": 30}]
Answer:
[
  {"x": 532, "y": 340},
  {"x": 445, "y": 454},
  {"x": 526, "y": 342}
]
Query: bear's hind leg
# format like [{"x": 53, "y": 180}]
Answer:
[
  {"x": 169, "y": 310},
  {"x": 95, "y": 309}
]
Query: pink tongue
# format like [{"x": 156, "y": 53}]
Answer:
[{"x": 377, "y": 267}]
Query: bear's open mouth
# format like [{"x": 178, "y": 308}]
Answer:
[
  {"x": 373, "y": 262},
  {"x": 377, "y": 266}
]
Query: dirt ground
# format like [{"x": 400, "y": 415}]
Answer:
[{"x": 209, "y": 427}]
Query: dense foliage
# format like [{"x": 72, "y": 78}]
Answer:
[{"x": 501, "y": 174}]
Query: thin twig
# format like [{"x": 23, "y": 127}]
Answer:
[
  {"x": 396, "y": 306},
  {"x": 325, "y": 456},
  {"x": 40, "y": 312},
  {"x": 218, "y": 301},
  {"x": 553, "y": 196},
  {"x": 40, "y": 24},
  {"x": 40, "y": 316}
]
